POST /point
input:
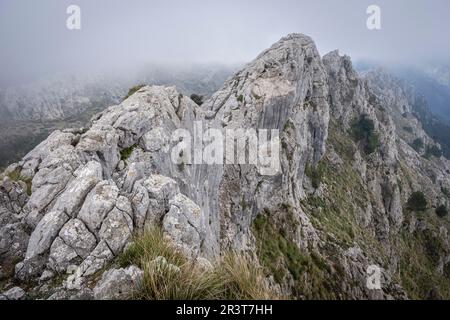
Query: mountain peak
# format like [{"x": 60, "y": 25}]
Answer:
[{"x": 343, "y": 167}]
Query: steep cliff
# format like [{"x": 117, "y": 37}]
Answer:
[{"x": 337, "y": 202}]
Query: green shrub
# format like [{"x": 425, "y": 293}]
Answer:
[
  {"x": 277, "y": 253},
  {"x": 126, "y": 153},
  {"x": 363, "y": 130},
  {"x": 442, "y": 211},
  {"x": 417, "y": 144},
  {"x": 308, "y": 273},
  {"x": 417, "y": 202},
  {"x": 240, "y": 98},
  {"x": 133, "y": 90},
  {"x": 434, "y": 151},
  {"x": 408, "y": 129},
  {"x": 372, "y": 143},
  {"x": 198, "y": 99}
]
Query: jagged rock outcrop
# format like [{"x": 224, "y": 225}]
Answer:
[
  {"x": 30, "y": 113},
  {"x": 331, "y": 205},
  {"x": 118, "y": 284}
]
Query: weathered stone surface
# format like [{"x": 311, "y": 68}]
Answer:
[
  {"x": 99, "y": 202},
  {"x": 61, "y": 255},
  {"x": 71, "y": 200},
  {"x": 13, "y": 240},
  {"x": 118, "y": 284},
  {"x": 101, "y": 255},
  {"x": 184, "y": 225},
  {"x": 46, "y": 231},
  {"x": 77, "y": 236},
  {"x": 116, "y": 230},
  {"x": 140, "y": 202},
  {"x": 15, "y": 293},
  {"x": 30, "y": 269},
  {"x": 46, "y": 275},
  {"x": 100, "y": 145},
  {"x": 160, "y": 190}
]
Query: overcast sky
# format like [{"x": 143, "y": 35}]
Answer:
[{"x": 116, "y": 34}]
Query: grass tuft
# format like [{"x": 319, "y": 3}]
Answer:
[
  {"x": 168, "y": 275},
  {"x": 16, "y": 176},
  {"x": 133, "y": 90}
]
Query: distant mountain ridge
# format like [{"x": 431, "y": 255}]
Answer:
[
  {"x": 428, "y": 92},
  {"x": 29, "y": 113}
]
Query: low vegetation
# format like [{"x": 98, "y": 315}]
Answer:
[
  {"x": 417, "y": 144},
  {"x": 133, "y": 90},
  {"x": 433, "y": 151},
  {"x": 418, "y": 255},
  {"x": 285, "y": 261},
  {"x": 417, "y": 202},
  {"x": 233, "y": 276},
  {"x": 409, "y": 129},
  {"x": 198, "y": 99},
  {"x": 126, "y": 153},
  {"x": 363, "y": 130},
  {"x": 16, "y": 176},
  {"x": 442, "y": 211},
  {"x": 315, "y": 173}
]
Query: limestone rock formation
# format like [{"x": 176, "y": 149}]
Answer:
[
  {"x": 333, "y": 206},
  {"x": 118, "y": 284}
]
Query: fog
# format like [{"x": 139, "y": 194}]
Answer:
[{"x": 117, "y": 35}]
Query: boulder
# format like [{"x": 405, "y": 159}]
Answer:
[
  {"x": 15, "y": 293},
  {"x": 118, "y": 284}
]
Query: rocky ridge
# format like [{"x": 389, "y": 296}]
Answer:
[{"x": 72, "y": 204}]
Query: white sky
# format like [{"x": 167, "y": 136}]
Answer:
[{"x": 117, "y": 34}]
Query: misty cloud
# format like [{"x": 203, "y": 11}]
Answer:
[{"x": 117, "y": 35}]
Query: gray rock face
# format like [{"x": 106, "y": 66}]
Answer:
[
  {"x": 77, "y": 236},
  {"x": 13, "y": 236},
  {"x": 184, "y": 225},
  {"x": 61, "y": 256},
  {"x": 118, "y": 284},
  {"x": 99, "y": 202},
  {"x": 160, "y": 191},
  {"x": 15, "y": 293},
  {"x": 45, "y": 233},
  {"x": 331, "y": 201},
  {"x": 98, "y": 258}
]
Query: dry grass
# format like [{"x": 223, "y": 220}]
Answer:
[
  {"x": 243, "y": 278},
  {"x": 233, "y": 276}
]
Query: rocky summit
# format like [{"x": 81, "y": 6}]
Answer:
[{"x": 357, "y": 209}]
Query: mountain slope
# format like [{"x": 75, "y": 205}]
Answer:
[
  {"x": 334, "y": 205},
  {"x": 29, "y": 113}
]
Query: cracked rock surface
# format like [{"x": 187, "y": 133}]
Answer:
[{"x": 92, "y": 189}]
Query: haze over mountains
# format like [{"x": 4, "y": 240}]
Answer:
[
  {"x": 354, "y": 190},
  {"x": 29, "y": 113},
  {"x": 50, "y": 72}
]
